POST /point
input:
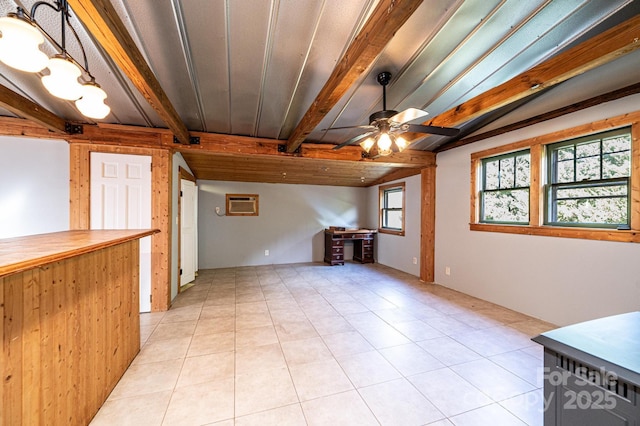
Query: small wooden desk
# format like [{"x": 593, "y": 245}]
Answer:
[{"x": 363, "y": 245}]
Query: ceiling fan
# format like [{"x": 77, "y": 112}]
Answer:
[{"x": 383, "y": 135}]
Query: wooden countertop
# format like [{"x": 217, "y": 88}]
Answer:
[{"x": 22, "y": 253}]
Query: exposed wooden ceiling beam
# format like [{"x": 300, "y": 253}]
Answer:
[
  {"x": 28, "y": 109},
  {"x": 213, "y": 144},
  {"x": 102, "y": 20},
  {"x": 386, "y": 19},
  {"x": 596, "y": 100},
  {"x": 601, "y": 49}
]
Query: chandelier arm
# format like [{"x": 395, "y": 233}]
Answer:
[
  {"x": 61, "y": 6},
  {"x": 37, "y": 4},
  {"x": 84, "y": 55}
]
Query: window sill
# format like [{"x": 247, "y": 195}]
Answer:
[
  {"x": 632, "y": 236},
  {"x": 390, "y": 231}
]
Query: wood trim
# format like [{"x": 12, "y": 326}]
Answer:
[
  {"x": 635, "y": 176},
  {"x": 28, "y": 109},
  {"x": 381, "y": 190},
  {"x": 161, "y": 176},
  {"x": 554, "y": 231},
  {"x": 596, "y": 100},
  {"x": 400, "y": 173},
  {"x": 79, "y": 187},
  {"x": 104, "y": 24},
  {"x": 428, "y": 224},
  {"x": 183, "y": 174},
  {"x": 383, "y": 23},
  {"x": 537, "y": 146},
  {"x": 536, "y": 188},
  {"x": 474, "y": 191},
  {"x": 601, "y": 49}
]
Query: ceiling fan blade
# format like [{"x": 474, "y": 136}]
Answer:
[
  {"x": 354, "y": 139},
  {"x": 368, "y": 126},
  {"x": 434, "y": 130},
  {"x": 408, "y": 114}
]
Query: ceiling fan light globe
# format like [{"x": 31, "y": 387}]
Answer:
[
  {"x": 19, "y": 45},
  {"x": 401, "y": 143},
  {"x": 63, "y": 82},
  {"x": 367, "y": 144},
  {"x": 91, "y": 104},
  {"x": 384, "y": 142}
]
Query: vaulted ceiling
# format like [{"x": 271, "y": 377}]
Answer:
[{"x": 257, "y": 74}]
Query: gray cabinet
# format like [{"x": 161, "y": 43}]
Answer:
[{"x": 592, "y": 373}]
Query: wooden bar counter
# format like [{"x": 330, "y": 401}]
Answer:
[{"x": 70, "y": 309}]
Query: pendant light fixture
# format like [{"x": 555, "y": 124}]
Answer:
[
  {"x": 19, "y": 44},
  {"x": 67, "y": 78}
]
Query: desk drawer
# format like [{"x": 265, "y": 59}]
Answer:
[{"x": 337, "y": 250}]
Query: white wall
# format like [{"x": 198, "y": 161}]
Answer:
[
  {"x": 394, "y": 250},
  {"x": 34, "y": 186},
  {"x": 178, "y": 161},
  {"x": 290, "y": 225},
  {"x": 559, "y": 280}
]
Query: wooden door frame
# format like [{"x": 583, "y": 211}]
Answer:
[
  {"x": 161, "y": 177},
  {"x": 183, "y": 174}
]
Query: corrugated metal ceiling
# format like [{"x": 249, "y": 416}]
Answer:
[{"x": 247, "y": 67}]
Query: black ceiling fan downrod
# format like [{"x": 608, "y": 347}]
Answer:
[{"x": 383, "y": 79}]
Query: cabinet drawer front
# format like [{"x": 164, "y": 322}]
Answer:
[
  {"x": 337, "y": 250},
  {"x": 337, "y": 243},
  {"x": 337, "y": 257}
]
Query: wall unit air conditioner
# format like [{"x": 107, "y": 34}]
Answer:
[{"x": 242, "y": 204}]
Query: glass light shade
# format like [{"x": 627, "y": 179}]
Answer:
[
  {"x": 367, "y": 144},
  {"x": 19, "y": 45},
  {"x": 401, "y": 143},
  {"x": 91, "y": 104},
  {"x": 63, "y": 80},
  {"x": 384, "y": 144}
]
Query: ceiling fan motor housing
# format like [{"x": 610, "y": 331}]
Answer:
[{"x": 381, "y": 115}]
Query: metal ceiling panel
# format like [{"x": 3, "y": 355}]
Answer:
[
  {"x": 247, "y": 67},
  {"x": 337, "y": 27},
  {"x": 478, "y": 29},
  {"x": 294, "y": 28},
  {"x": 155, "y": 24},
  {"x": 250, "y": 29},
  {"x": 545, "y": 34},
  {"x": 206, "y": 23}
]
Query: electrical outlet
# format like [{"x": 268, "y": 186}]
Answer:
[
  {"x": 266, "y": 252},
  {"x": 415, "y": 260},
  {"x": 447, "y": 270}
]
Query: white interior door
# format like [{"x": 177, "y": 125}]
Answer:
[
  {"x": 121, "y": 199},
  {"x": 188, "y": 231}
]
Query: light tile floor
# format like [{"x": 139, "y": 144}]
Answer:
[{"x": 320, "y": 345}]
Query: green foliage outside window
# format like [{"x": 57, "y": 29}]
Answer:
[
  {"x": 588, "y": 183},
  {"x": 505, "y": 188}
]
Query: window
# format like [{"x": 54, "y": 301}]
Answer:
[
  {"x": 588, "y": 182},
  {"x": 392, "y": 209},
  {"x": 583, "y": 182},
  {"x": 505, "y": 188}
]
